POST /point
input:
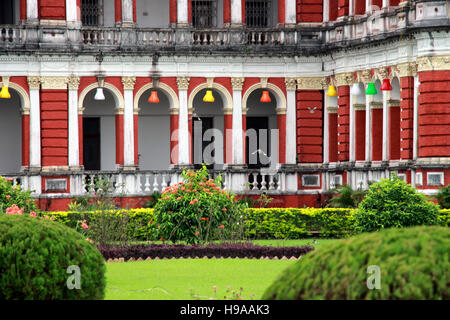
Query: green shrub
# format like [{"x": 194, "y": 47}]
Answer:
[
  {"x": 35, "y": 254},
  {"x": 394, "y": 203},
  {"x": 414, "y": 264},
  {"x": 345, "y": 197},
  {"x": 197, "y": 210},
  {"x": 443, "y": 197},
  {"x": 444, "y": 217},
  {"x": 13, "y": 195}
]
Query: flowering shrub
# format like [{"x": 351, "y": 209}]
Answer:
[
  {"x": 13, "y": 200},
  {"x": 197, "y": 210}
]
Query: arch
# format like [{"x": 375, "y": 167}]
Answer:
[
  {"x": 224, "y": 94},
  {"x": 279, "y": 95},
  {"x": 118, "y": 97},
  {"x": 173, "y": 98},
  {"x": 23, "y": 94}
]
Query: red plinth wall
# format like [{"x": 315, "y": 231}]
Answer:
[
  {"x": 309, "y": 10},
  {"x": 52, "y": 9},
  {"x": 343, "y": 122},
  {"x": 434, "y": 114},
  {"x": 406, "y": 117},
  {"x": 309, "y": 125},
  {"x": 54, "y": 123}
]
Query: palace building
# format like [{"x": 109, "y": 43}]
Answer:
[{"x": 301, "y": 95}]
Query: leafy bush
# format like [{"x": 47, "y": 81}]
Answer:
[
  {"x": 197, "y": 210},
  {"x": 394, "y": 203},
  {"x": 345, "y": 197},
  {"x": 414, "y": 264},
  {"x": 226, "y": 250},
  {"x": 13, "y": 195},
  {"x": 155, "y": 198},
  {"x": 292, "y": 223},
  {"x": 35, "y": 254},
  {"x": 443, "y": 197}
]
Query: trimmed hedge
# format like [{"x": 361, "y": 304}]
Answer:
[
  {"x": 264, "y": 223},
  {"x": 227, "y": 250},
  {"x": 413, "y": 264}
]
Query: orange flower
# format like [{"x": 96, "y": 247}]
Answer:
[
  {"x": 160, "y": 239},
  {"x": 224, "y": 209},
  {"x": 221, "y": 226},
  {"x": 179, "y": 198},
  {"x": 196, "y": 233}
]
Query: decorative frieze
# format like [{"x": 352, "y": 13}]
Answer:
[
  {"x": 237, "y": 83},
  {"x": 345, "y": 79},
  {"x": 54, "y": 83},
  {"x": 311, "y": 83},
  {"x": 183, "y": 83},
  {"x": 34, "y": 82},
  {"x": 291, "y": 84},
  {"x": 332, "y": 109},
  {"x": 433, "y": 63},
  {"x": 128, "y": 83},
  {"x": 73, "y": 82},
  {"x": 406, "y": 69}
]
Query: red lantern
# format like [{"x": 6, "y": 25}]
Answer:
[
  {"x": 265, "y": 97},
  {"x": 153, "y": 97},
  {"x": 386, "y": 85}
]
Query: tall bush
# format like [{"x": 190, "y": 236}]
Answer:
[
  {"x": 394, "y": 203},
  {"x": 443, "y": 197}
]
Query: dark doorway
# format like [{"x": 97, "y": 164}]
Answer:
[
  {"x": 205, "y": 123},
  {"x": 7, "y": 12},
  {"x": 91, "y": 143},
  {"x": 255, "y": 153}
]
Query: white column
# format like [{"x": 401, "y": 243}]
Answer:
[
  {"x": 72, "y": 12},
  {"x": 127, "y": 12},
  {"x": 32, "y": 9},
  {"x": 182, "y": 12},
  {"x": 290, "y": 11},
  {"x": 326, "y": 130},
  {"x": 183, "y": 130},
  {"x": 35, "y": 122},
  {"x": 385, "y": 149},
  {"x": 326, "y": 10},
  {"x": 368, "y": 6},
  {"x": 385, "y": 3},
  {"x": 351, "y": 7},
  {"x": 368, "y": 130},
  {"x": 74, "y": 150},
  {"x": 291, "y": 121},
  {"x": 416, "y": 118},
  {"x": 128, "y": 121},
  {"x": 351, "y": 144},
  {"x": 238, "y": 140},
  {"x": 236, "y": 12}
]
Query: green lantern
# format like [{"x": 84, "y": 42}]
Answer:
[{"x": 371, "y": 89}]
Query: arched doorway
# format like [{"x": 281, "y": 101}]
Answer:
[
  {"x": 11, "y": 133},
  {"x": 99, "y": 131}
]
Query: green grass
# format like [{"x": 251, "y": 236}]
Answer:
[{"x": 174, "y": 279}]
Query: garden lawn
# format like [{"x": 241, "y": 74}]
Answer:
[{"x": 175, "y": 279}]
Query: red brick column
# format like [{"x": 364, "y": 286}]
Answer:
[
  {"x": 52, "y": 9},
  {"x": 281, "y": 125},
  {"x": 173, "y": 12},
  {"x": 377, "y": 133},
  {"x": 434, "y": 114},
  {"x": 174, "y": 138},
  {"x": 281, "y": 12},
  {"x": 406, "y": 117},
  {"x": 333, "y": 9},
  {"x": 23, "y": 10},
  {"x": 119, "y": 138},
  {"x": 227, "y": 140},
  {"x": 360, "y": 134},
  {"x": 343, "y": 122},
  {"x": 25, "y": 140},
  {"x": 342, "y": 8},
  {"x": 333, "y": 136},
  {"x": 136, "y": 138},
  {"x": 118, "y": 11},
  {"x": 80, "y": 138},
  {"x": 226, "y": 12},
  {"x": 394, "y": 132},
  {"x": 309, "y": 125},
  {"x": 309, "y": 11},
  {"x": 360, "y": 6}
]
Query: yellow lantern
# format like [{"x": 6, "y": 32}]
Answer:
[
  {"x": 208, "y": 96},
  {"x": 4, "y": 93},
  {"x": 332, "y": 91}
]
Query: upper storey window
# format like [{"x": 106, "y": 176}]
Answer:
[
  {"x": 92, "y": 12},
  {"x": 7, "y": 12},
  {"x": 258, "y": 13},
  {"x": 204, "y": 13}
]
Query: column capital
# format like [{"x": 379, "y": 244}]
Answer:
[
  {"x": 291, "y": 83},
  {"x": 34, "y": 82},
  {"x": 237, "y": 83},
  {"x": 311, "y": 83},
  {"x": 183, "y": 83},
  {"x": 345, "y": 79},
  {"x": 73, "y": 82},
  {"x": 406, "y": 69},
  {"x": 383, "y": 72},
  {"x": 128, "y": 83},
  {"x": 364, "y": 76}
]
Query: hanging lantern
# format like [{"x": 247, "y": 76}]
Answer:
[
  {"x": 153, "y": 97},
  {"x": 4, "y": 93},
  {"x": 332, "y": 91},
  {"x": 99, "y": 94},
  {"x": 371, "y": 89},
  {"x": 356, "y": 89},
  {"x": 386, "y": 85},
  {"x": 208, "y": 96},
  {"x": 265, "y": 97}
]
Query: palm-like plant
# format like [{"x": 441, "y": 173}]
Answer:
[
  {"x": 345, "y": 197},
  {"x": 443, "y": 197}
]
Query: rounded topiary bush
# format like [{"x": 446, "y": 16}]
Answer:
[
  {"x": 35, "y": 255},
  {"x": 394, "y": 203},
  {"x": 413, "y": 263}
]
